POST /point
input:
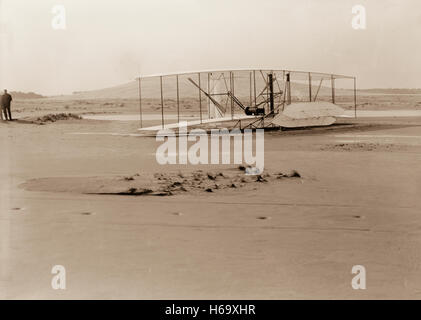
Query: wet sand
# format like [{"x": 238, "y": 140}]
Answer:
[{"x": 357, "y": 202}]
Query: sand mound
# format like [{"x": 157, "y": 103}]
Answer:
[
  {"x": 53, "y": 117},
  {"x": 305, "y": 110},
  {"x": 287, "y": 122},
  {"x": 158, "y": 184}
]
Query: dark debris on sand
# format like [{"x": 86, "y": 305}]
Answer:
[
  {"x": 53, "y": 117},
  {"x": 166, "y": 184}
]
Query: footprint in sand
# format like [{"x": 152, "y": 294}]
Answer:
[
  {"x": 87, "y": 213},
  {"x": 263, "y": 218}
]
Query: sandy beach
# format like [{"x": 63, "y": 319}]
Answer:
[
  {"x": 210, "y": 159},
  {"x": 356, "y": 202}
]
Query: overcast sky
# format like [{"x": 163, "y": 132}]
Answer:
[{"x": 106, "y": 43}]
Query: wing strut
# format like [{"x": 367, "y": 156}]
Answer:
[
  {"x": 216, "y": 103},
  {"x": 238, "y": 102}
]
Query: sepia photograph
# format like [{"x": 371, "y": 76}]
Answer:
[{"x": 209, "y": 150}]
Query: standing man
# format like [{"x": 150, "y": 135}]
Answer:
[{"x": 6, "y": 99}]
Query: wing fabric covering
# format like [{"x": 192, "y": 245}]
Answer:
[{"x": 216, "y": 86}]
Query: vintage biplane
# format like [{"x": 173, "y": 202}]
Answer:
[{"x": 257, "y": 98}]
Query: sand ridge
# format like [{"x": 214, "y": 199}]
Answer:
[{"x": 159, "y": 184}]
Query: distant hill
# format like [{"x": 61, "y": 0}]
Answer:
[
  {"x": 25, "y": 95},
  {"x": 392, "y": 91},
  {"x": 151, "y": 89}
]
